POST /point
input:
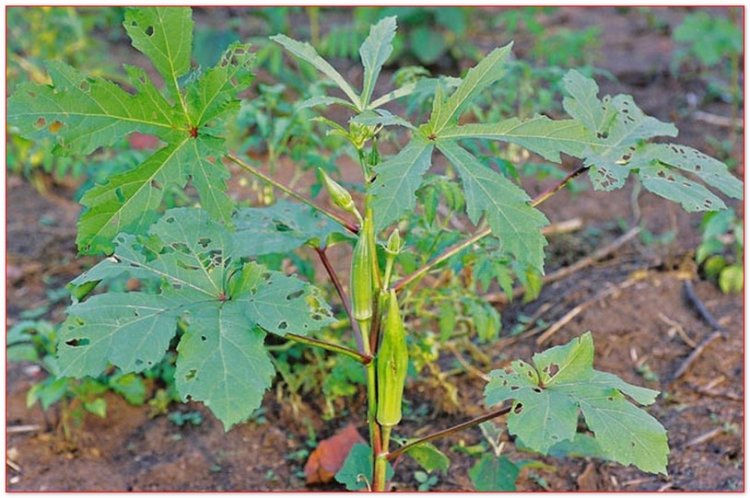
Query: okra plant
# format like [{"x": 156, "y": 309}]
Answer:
[{"x": 204, "y": 256}]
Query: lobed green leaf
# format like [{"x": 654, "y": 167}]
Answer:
[
  {"x": 548, "y": 396},
  {"x": 228, "y": 303}
]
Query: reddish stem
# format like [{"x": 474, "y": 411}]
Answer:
[{"x": 345, "y": 301}]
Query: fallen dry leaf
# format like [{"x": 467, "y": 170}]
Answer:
[{"x": 329, "y": 456}]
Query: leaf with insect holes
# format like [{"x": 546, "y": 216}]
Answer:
[
  {"x": 165, "y": 36},
  {"x": 228, "y": 303},
  {"x": 281, "y": 228},
  {"x": 81, "y": 114},
  {"x": 621, "y": 130},
  {"x": 506, "y": 207},
  {"x": 221, "y": 361},
  {"x": 397, "y": 180},
  {"x": 548, "y": 396}
]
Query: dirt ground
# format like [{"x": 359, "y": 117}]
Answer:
[{"x": 643, "y": 331}]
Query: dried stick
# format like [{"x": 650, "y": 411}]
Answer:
[
  {"x": 695, "y": 354},
  {"x": 700, "y": 307}
]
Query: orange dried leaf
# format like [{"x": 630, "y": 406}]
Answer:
[{"x": 329, "y": 456}]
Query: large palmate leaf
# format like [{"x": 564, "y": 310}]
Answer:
[
  {"x": 506, "y": 207},
  {"x": 548, "y": 396},
  {"x": 282, "y": 227},
  {"x": 80, "y": 114},
  {"x": 228, "y": 303},
  {"x": 397, "y": 179}
]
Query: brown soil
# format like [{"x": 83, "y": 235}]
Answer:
[{"x": 631, "y": 328}]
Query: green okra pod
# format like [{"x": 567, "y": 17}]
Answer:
[
  {"x": 392, "y": 361},
  {"x": 361, "y": 283}
]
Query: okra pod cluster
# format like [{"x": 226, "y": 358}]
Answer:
[{"x": 392, "y": 361}]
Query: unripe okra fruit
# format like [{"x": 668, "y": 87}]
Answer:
[
  {"x": 361, "y": 283},
  {"x": 392, "y": 362}
]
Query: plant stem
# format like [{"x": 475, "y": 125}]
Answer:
[
  {"x": 559, "y": 186},
  {"x": 344, "y": 299},
  {"x": 291, "y": 193},
  {"x": 450, "y": 430},
  {"x": 365, "y": 358},
  {"x": 381, "y": 466},
  {"x": 452, "y": 251}
]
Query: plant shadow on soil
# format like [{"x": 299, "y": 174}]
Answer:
[{"x": 130, "y": 451}]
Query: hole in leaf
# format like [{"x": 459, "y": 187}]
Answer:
[
  {"x": 138, "y": 362},
  {"x": 149, "y": 31},
  {"x": 295, "y": 295},
  {"x": 203, "y": 338},
  {"x": 536, "y": 390},
  {"x": 191, "y": 374},
  {"x": 170, "y": 220},
  {"x": 552, "y": 369},
  {"x": 55, "y": 127},
  {"x": 518, "y": 408},
  {"x": 156, "y": 185},
  {"x": 514, "y": 388},
  {"x": 204, "y": 241},
  {"x": 120, "y": 195},
  {"x": 282, "y": 325},
  {"x": 78, "y": 342}
]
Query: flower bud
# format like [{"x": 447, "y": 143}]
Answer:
[
  {"x": 340, "y": 196},
  {"x": 393, "y": 247}
]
